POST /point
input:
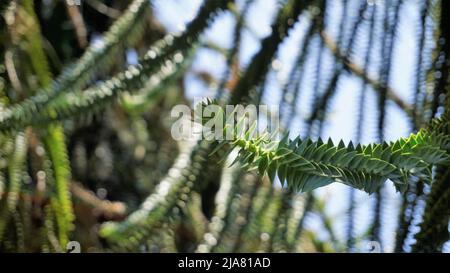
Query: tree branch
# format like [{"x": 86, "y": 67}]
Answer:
[{"x": 358, "y": 71}]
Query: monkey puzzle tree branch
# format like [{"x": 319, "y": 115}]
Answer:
[{"x": 306, "y": 165}]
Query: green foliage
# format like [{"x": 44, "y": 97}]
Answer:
[
  {"x": 162, "y": 57},
  {"x": 76, "y": 75},
  {"x": 306, "y": 165},
  {"x": 157, "y": 205},
  {"x": 16, "y": 166},
  {"x": 64, "y": 178},
  {"x": 62, "y": 201},
  {"x": 53, "y": 137}
]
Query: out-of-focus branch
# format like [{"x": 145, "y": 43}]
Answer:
[
  {"x": 78, "y": 23},
  {"x": 358, "y": 71},
  {"x": 104, "y": 9},
  {"x": 12, "y": 72},
  {"x": 108, "y": 209}
]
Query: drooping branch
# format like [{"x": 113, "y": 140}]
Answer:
[{"x": 306, "y": 164}]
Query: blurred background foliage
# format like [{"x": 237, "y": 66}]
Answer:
[{"x": 86, "y": 92}]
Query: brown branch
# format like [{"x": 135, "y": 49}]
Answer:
[
  {"x": 12, "y": 72},
  {"x": 358, "y": 71},
  {"x": 78, "y": 23},
  {"x": 108, "y": 209},
  {"x": 104, "y": 9}
]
